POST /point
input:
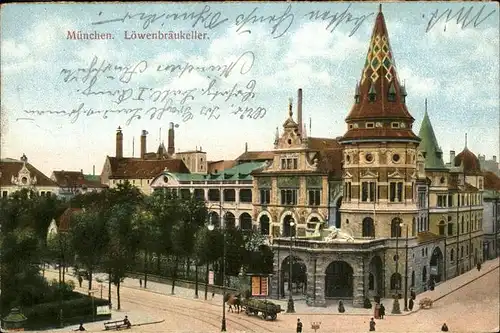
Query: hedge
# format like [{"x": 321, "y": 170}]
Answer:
[{"x": 46, "y": 315}]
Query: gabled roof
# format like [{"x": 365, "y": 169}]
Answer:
[
  {"x": 255, "y": 156},
  {"x": 63, "y": 222},
  {"x": 379, "y": 78},
  {"x": 130, "y": 168},
  {"x": 76, "y": 179},
  {"x": 429, "y": 145},
  {"x": 10, "y": 168}
]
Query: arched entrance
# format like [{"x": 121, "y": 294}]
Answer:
[
  {"x": 299, "y": 276},
  {"x": 338, "y": 280},
  {"x": 213, "y": 218},
  {"x": 264, "y": 225},
  {"x": 229, "y": 220},
  {"x": 245, "y": 221},
  {"x": 287, "y": 230},
  {"x": 375, "y": 278},
  {"x": 436, "y": 265}
]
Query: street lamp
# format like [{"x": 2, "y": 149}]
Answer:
[
  {"x": 211, "y": 227},
  {"x": 406, "y": 270},
  {"x": 395, "y": 305},
  {"x": 290, "y": 308}
]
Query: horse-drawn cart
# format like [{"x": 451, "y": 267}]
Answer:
[{"x": 266, "y": 308}]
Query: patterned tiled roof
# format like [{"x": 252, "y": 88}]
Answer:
[
  {"x": 379, "y": 77},
  {"x": 136, "y": 168}
]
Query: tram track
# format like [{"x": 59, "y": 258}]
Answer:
[{"x": 212, "y": 311}]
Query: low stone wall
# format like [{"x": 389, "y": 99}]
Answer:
[{"x": 180, "y": 283}]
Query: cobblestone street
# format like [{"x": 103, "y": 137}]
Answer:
[{"x": 472, "y": 308}]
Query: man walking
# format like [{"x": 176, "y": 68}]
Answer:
[
  {"x": 372, "y": 325},
  {"x": 299, "y": 326}
]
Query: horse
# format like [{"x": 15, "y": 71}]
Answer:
[{"x": 233, "y": 300}]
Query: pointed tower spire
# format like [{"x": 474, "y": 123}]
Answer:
[
  {"x": 290, "y": 112},
  {"x": 382, "y": 97},
  {"x": 465, "y": 140},
  {"x": 277, "y": 135},
  {"x": 429, "y": 144}
]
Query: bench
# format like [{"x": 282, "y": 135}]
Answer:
[{"x": 115, "y": 325}]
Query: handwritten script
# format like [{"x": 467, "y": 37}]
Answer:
[
  {"x": 206, "y": 17},
  {"x": 135, "y": 97},
  {"x": 461, "y": 16}
]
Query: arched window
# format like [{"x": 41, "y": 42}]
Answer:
[
  {"x": 396, "y": 227},
  {"x": 461, "y": 252},
  {"x": 452, "y": 254},
  {"x": 424, "y": 274},
  {"x": 441, "y": 228},
  {"x": 368, "y": 229},
  {"x": 395, "y": 281},
  {"x": 413, "y": 278}
]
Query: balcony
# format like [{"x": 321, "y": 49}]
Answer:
[{"x": 312, "y": 245}]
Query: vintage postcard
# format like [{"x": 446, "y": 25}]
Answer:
[{"x": 345, "y": 152}]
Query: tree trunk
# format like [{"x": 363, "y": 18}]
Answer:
[
  {"x": 145, "y": 268},
  {"x": 206, "y": 284},
  {"x": 90, "y": 279},
  {"x": 196, "y": 280},
  {"x": 63, "y": 272},
  {"x": 109, "y": 287},
  {"x": 188, "y": 268},
  {"x": 174, "y": 275},
  {"x": 118, "y": 294},
  {"x": 60, "y": 273},
  {"x": 158, "y": 263}
]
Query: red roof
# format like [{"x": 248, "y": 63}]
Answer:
[
  {"x": 469, "y": 160},
  {"x": 136, "y": 168},
  {"x": 379, "y": 77},
  {"x": 491, "y": 181},
  {"x": 63, "y": 222},
  {"x": 11, "y": 167},
  {"x": 74, "y": 179}
]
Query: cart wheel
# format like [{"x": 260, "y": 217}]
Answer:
[{"x": 273, "y": 316}]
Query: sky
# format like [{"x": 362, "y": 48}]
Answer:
[{"x": 49, "y": 81}]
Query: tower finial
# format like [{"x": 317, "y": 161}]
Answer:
[
  {"x": 426, "y": 105},
  {"x": 290, "y": 113},
  {"x": 380, "y": 8},
  {"x": 465, "y": 140}
]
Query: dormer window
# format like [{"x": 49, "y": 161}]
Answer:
[
  {"x": 403, "y": 93},
  {"x": 370, "y": 125},
  {"x": 395, "y": 125},
  {"x": 372, "y": 93},
  {"x": 351, "y": 126},
  {"x": 391, "y": 94},
  {"x": 356, "y": 94}
]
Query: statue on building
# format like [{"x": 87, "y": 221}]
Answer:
[{"x": 336, "y": 234}]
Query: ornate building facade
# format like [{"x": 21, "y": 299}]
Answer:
[{"x": 384, "y": 207}]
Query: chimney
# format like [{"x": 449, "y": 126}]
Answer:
[
  {"x": 299, "y": 110},
  {"x": 171, "y": 138},
  {"x": 246, "y": 147},
  {"x": 81, "y": 170},
  {"x": 494, "y": 158},
  {"x": 143, "y": 143},
  {"x": 119, "y": 143},
  {"x": 93, "y": 170},
  {"x": 452, "y": 157}
]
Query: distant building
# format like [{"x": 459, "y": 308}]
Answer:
[
  {"x": 72, "y": 183},
  {"x": 139, "y": 171},
  {"x": 491, "y": 215},
  {"x": 62, "y": 223},
  {"x": 227, "y": 193},
  {"x": 489, "y": 165},
  {"x": 19, "y": 174}
]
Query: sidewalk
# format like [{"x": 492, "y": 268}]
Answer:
[{"x": 301, "y": 308}]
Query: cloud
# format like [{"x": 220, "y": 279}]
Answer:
[
  {"x": 12, "y": 49},
  {"x": 418, "y": 84}
]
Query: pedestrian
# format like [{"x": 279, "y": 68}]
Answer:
[
  {"x": 299, "y": 326},
  {"x": 127, "y": 322},
  {"x": 341, "y": 307},
  {"x": 478, "y": 266},
  {"x": 372, "y": 325},
  {"x": 444, "y": 328},
  {"x": 81, "y": 328},
  {"x": 410, "y": 306},
  {"x": 413, "y": 294},
  {"x": 382, "y": 311},
  {"x": 376, "y": 312},
  {"x": 140, "y": 282},
  {"x": 80, "y": 280}
]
